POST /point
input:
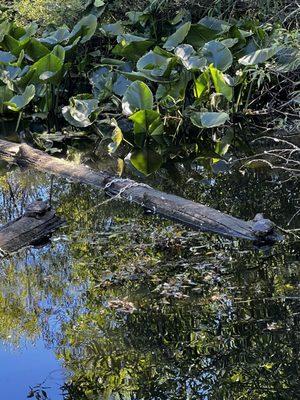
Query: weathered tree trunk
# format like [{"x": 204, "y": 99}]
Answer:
[
  {"x": 27, "y": 230},
  {"x": 169, "y": 206}
]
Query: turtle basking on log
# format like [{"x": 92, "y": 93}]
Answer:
[
  {"x": 264, "y": 231},
  {"x": 37, "y": 209},
  {"x": 33, "y": 228},
  {"x": 262, "y": 226}
]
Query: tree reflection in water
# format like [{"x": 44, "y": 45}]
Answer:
[{"x": 139, "y": 308}]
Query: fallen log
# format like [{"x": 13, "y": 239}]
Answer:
[
  {"x": 32, "y": 228},
  {"x": 169, "y": 206}
]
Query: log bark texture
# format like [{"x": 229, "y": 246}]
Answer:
[
  {"x": 27, "y": 230},
  {"x": 173, "y": 207}
]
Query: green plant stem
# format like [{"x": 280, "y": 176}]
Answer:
[{"x": 18, "y": 121}]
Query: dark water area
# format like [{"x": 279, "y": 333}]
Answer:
[{"x": 124, "y": 305}]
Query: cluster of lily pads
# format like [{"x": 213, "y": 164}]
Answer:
[
  {"x": 32, "y": 68},
  {"x": 165, "y": 93},
  {"x": 166, "y": 90}
]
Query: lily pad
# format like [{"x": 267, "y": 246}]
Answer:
[
  {"x": 218, "y": 54},
  {"x": 146, "y": 161},
  {"x": 18, "y": 102},
  {"x": 138, "y": 96},
  {"x": 209, "y": 119}
]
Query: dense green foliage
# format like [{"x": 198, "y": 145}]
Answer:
[{"x": 157, "y": 88}]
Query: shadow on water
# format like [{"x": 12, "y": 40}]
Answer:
[{"x": 134, "y": 307}]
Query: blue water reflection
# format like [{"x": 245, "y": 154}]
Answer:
[{"x": 30, "y": 365}]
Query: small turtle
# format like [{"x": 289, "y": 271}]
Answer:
[
  {"x": 262, "y": 227},
  {"x": 37, "y": 209}
]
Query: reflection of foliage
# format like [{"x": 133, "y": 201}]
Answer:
[
  {"x": 15, "y": 317},
  {"x": 234, "y": 343},
  {"x": 142, "y": 309}
]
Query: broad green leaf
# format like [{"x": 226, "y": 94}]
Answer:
[
  {"x": 184, "y": 51},
  {"x": 101, "y": 80},
  {"x": 189, "y": 57},
  {"x": 215, "y": 24},
  {"x": 113, "y": 29},
  {"x": 218, "y": 55},
  {"x": 222, "y": 146},
  {"x": 146, "y": 161},
  {"x": 5, "y": 95},
  {"x": 146, "y": 122},
  {"x": 132, "y": 47},
  {"x": 59, "y": 36},
  {"x": 13, "y": 45},
  {"x": 18, "y": 102},
  {"x": 230, "y": 42},
  {"x": 155, "y": 64},
  {"x": 177, "y": 37},
  {"x": 117, "y": 137},
  {"x": 47, "y": 69},
  {"x": 36, "y": 50},
  {"x": 6, "y": 57},
  {"x": 199, "y": 35},
  {"x": 30, "y": 30},
  {"x": 85, "y": 28},
  {"x": 202, "y": 84},
  {"x": 4, "y": 29},
  {"x": 258, "y": 56},
  {"x": 220, "y": 83},
  {"x": 138, "y": 96},
  {"x": 59, "y": 52},
  {"x": 138, "y": 17},
  {"x": 99, "y": 3},
  {"x": 209, "y": 119},
  {"x": 173, "y": 91},
  {"x": 287, "y": 60},
  {"x": 120, "y": 85},
  {"x": 180, "y": 17},
  {"x": 82, "y": 111}
]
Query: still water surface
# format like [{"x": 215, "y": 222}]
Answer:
[{"x": 123, "y": 305}]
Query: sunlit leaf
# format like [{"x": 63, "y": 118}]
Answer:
[
  {"x": 177, "y": 37},
  {"x": 85, "y": 28},
  {"x": 138, "y": 96},
  {"x": 189, "y": 57},
  {"x": 132, "y": 46},
  {"x": 202, "y": 84},
  {"x": 155, "y": 64},
  {"x": 209, "y": 119},
  {"x": 199, "y": 35},
  {"x": 258, "y": 56},
  {"x": 215, "y": 24},
  {"x": 46, "y": 69},
  {"x": 18, "y": 102},
  {"x": 146, "y": 161},
  {"x": 117, "y": 137},
  {"x": 220, "y": 83},
  {"x": 146, "y": 122},
  {"x": 82, "y": 111},
  {"x": 101, "y": 80},
  {"x": 218, "y": 55}
]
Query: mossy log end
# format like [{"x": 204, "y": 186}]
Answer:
[{"x": 173, "y": 207}]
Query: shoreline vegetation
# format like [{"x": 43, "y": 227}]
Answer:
[{"x": 153, "y": 89}]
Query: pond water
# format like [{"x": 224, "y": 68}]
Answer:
[{"x": 124, "y": 305}]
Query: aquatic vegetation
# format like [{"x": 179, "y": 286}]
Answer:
[{"x": 172, "y": 91}]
